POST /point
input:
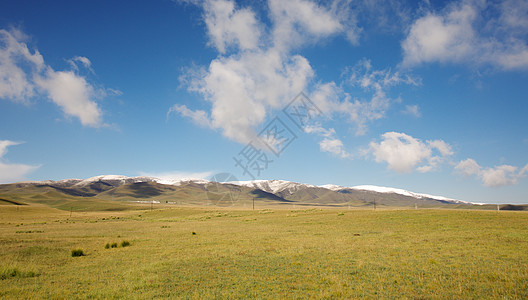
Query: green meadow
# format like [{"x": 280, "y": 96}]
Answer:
[{"x": 192, "y": 252}]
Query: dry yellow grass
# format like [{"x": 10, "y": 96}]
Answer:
[{"x": 263, "y": 253}]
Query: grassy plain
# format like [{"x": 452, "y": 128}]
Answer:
[{"x": 281, "y": 253}]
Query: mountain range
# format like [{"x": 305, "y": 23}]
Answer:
[{"x": 107, "y": 192}]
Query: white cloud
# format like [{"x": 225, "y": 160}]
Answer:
[
  {"x": 84, "y": 61},
  {"x": 441, "y": 38},
  {"x": 228, "y": 27},
  {"x": 12, "y": 172},
  {"x": 317, "y": 129},
  {"x": 24, "y": 75},
  {"x": 259, "y": 76},
  {"x": 299, "y": 21},
  {"x": 244, "y": 86},
  {"x": 334, "y": 146},
  {"x": 412, "y": 110},
  {"x": 498, "y": 176},
  {"x": 468, "y": 167},
  {"x": 377, "y": 82},
  {"x": 330, "y": 143},
  {"x": 199, "y": 117},
  {"x": 73, "y": 94},
  {"x": 403, "y": 153},
  {"x": 457, "y": 35},
  {"x": 4, "y": 144},
  {"x": 14, "y": 83}
]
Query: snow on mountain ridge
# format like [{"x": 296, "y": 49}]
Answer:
[
  {"x": 332, "y": 187},
  {"x": 381, "y": 189},
  {"x": 270, "y": 186},
  {"x": 120, "y": 180},
  {"x": 114, "y": 180},
  {"x": 273, "y": 186}
]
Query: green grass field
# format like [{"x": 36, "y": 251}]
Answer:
[{"x": 280, "y": 253}]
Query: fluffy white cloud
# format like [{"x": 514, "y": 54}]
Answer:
[
  {"x": 259, "y": 76},
  {"x": 73, "y": 94},
  {"x": 334, "y": 146},
  {"x": 244, "y": 86},
  {"x": 14, "y": 83},
  {"x": 228, "y": 27},
  {"x": 457, "y": 35},
  {"x": 468, "y": 167},
  {"x": 12, "y": 172},
  {"x": 330, "y": 143},
  {"x": 403, "y": 153},
  {"x": 24, "y": 75},
  {"x": 300, "y": 21},
  {"x": 498, "y": 176},
  {"x": 441, "y": 38}
]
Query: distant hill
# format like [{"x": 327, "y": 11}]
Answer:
[{"x": 113, "y": 192}]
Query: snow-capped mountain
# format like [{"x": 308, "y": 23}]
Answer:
[
  {"x": 281, "y": 188},
  {"x": 274, "y": 186},
  {"x": 381, "y": 189},
  {"x": 116, "y": 180}
]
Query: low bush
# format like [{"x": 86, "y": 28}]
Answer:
[
  {"x": 77, "y": 252},
  {"x": 7, "y": 273}
]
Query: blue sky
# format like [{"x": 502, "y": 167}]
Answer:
[{"x": 429, "y": 97}]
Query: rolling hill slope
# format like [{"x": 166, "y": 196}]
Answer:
[{"x": 113, "y": 192}]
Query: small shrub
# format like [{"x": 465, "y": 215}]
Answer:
[
  {"x": 107, "y": 246},
  {"x": 113, "y": 245},
  {"x": 125, "y": 243},
  {"x": 14, "y": 272},
  {"x": 193, "y": 233},
  {"x": 77, "y": 252},
  {"x": 9, "y": 273}
]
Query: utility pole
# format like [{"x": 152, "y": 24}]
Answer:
[{"x": 253, "y": 203}]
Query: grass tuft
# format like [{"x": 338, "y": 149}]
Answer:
[
  {"x": 77, "y": 252},
  {"x": 7, "y": 273}
]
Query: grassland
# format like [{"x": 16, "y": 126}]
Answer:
[{"x": 281, "y": 253}]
